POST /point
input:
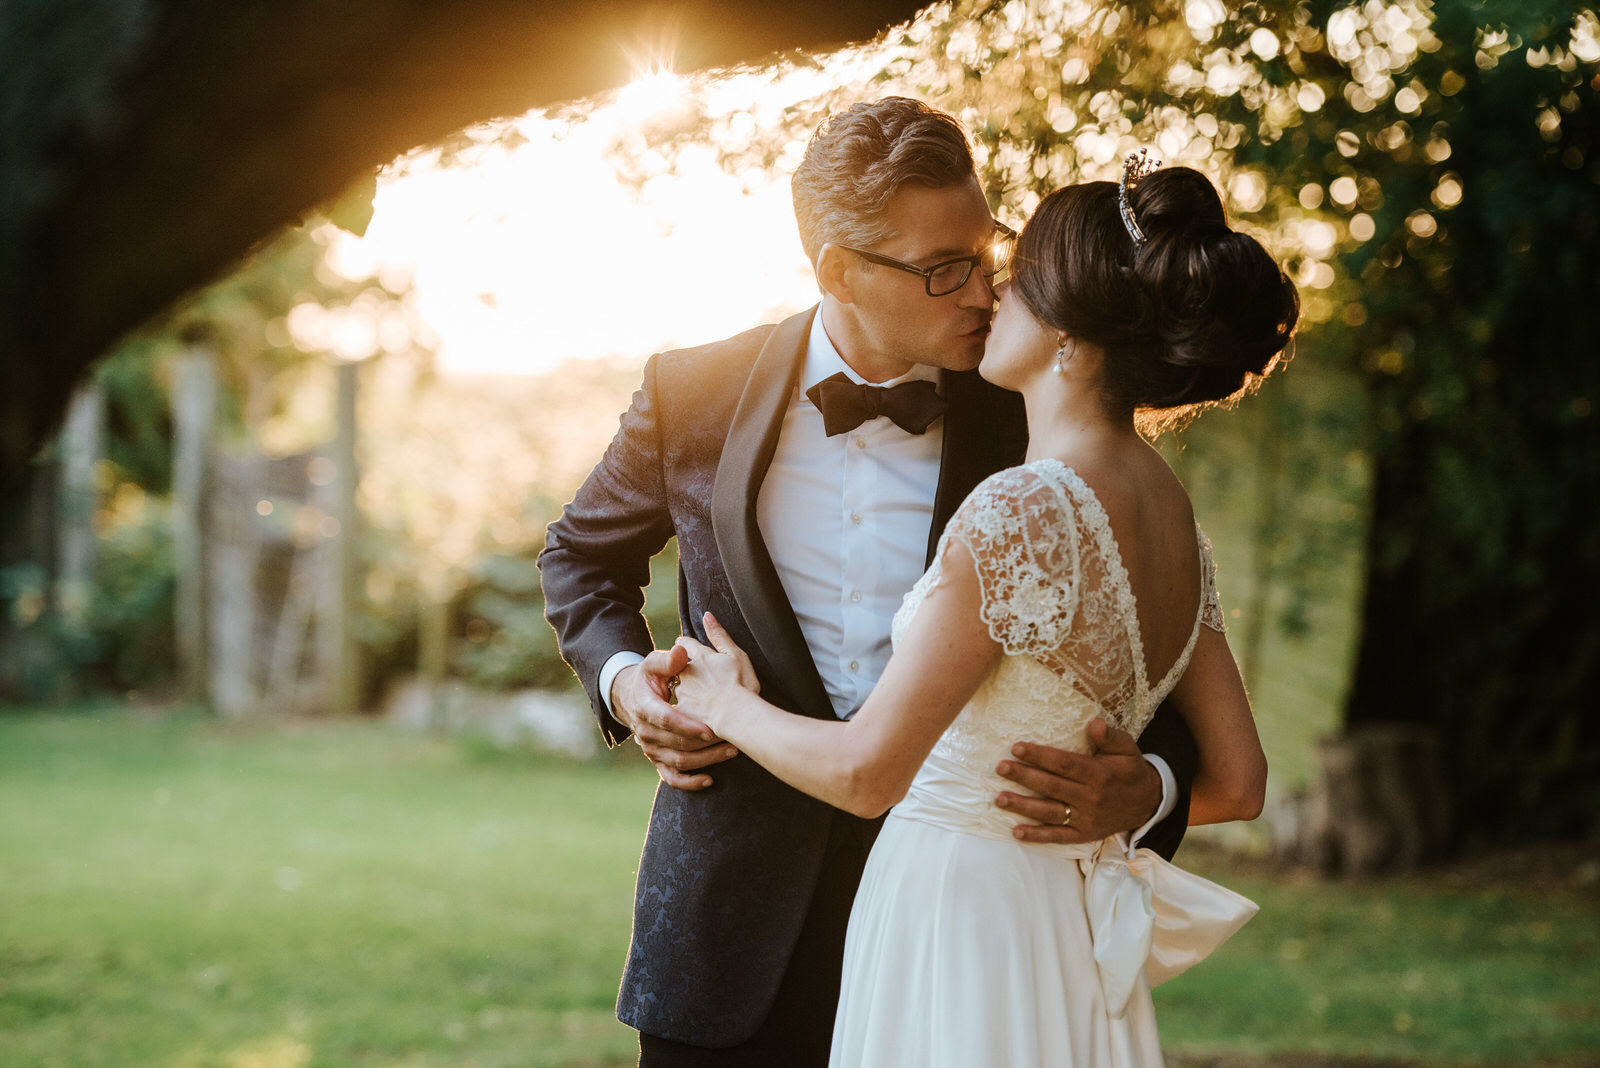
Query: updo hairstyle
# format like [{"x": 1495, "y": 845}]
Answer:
[{"x": 1195, "y": 314}]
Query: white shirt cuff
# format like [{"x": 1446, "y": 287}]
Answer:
[
  {"x": 628, "y": 658},
  {"x": 1169, "y": 795}
]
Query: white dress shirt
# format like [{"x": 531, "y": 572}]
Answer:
[{"x": 846, "y": 522}]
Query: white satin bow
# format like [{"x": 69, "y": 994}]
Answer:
[{"x": 1149, "y": 916}]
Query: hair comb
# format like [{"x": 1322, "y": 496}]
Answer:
[{"x": 1135, "y": 169}]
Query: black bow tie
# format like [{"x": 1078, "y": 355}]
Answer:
[{"x": 845, "y": 405}]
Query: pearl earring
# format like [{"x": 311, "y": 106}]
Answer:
[{"x": 1062, "y": 356}]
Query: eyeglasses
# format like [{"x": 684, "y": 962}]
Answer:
[{"x": 947, "y": 276}]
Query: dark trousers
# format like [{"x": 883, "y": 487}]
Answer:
[{"x": 799, "y": 1028}]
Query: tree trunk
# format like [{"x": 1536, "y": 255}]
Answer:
[
  {"x": 1484, "y": 559},
  {"x": 1378, "y": 802},
  {"x": 341, "y": 651},
  {"x": 232, "y": 601},
  {"x": 234, "y": 547}
]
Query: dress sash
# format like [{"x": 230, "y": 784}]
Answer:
[{"x": 1147, "y": 916}]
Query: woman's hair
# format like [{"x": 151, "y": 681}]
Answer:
[
  {"x": 1196, "y": 313},
  {"x": 860, "y": 157}
]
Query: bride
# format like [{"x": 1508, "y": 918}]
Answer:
[{"x": 1073, "y": 587}]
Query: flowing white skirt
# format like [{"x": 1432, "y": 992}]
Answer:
[{"x": 968, "y": 948}]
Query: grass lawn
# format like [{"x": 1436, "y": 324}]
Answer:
[
  {"x": 180, "y": 893},
  {"x": 1419, "y": 969}
]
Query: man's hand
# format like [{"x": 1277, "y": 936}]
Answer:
[
  {"x": 677, "y": 744},
  {"x": 1114, "y": 789}
]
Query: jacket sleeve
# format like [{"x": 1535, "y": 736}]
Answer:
[
  {"x": 1168, "y": 737},
  {"x": 596, "y": 559}
]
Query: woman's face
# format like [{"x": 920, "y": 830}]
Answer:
[{"x": 1020, "y": 347}]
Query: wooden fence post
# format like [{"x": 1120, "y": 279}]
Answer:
[
  {"x": 82, "y": 442},
  {"x": 341, "y": 651},
  {"x": 194, "y": 404}
]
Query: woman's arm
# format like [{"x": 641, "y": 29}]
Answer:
[
  {"x": 863, "y": 765},
  {"x": 1231, "y": 781}
]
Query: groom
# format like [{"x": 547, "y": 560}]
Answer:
[{"x": 806, "y": 503}]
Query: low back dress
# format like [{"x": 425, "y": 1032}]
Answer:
[{"x": 967, "y": 947}]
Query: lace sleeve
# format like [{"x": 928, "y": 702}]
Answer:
[
  {"x": 1024, "y": 546},
  {"x": 1210, "y": 603}
]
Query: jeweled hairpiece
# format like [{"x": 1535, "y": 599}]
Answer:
[{"x": 1134, "y": 169}]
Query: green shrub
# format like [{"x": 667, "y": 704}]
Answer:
[
  {"x": 502, "y": 641},
  {"x": 130, "y": 620}
]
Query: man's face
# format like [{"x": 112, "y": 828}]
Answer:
[{"x": 897, "y": 317}]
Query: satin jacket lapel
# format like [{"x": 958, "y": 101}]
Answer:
[
  {"x": 746, "y": 455},
  {"x": 981, "y": 435}
]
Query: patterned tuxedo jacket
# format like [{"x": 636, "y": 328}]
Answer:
[{"x": 727, "y": 873}]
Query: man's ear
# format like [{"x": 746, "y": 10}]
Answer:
[{"x": 835, "y": 273}]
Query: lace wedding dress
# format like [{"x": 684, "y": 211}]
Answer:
[{"x": 970, "y": 949}]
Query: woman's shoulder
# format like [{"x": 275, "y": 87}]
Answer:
[{"x": 1135, "y": 488}]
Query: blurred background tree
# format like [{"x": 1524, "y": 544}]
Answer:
[{"x": 1478, "y": 163}]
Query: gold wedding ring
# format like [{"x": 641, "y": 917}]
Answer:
[{"x": 1066, "y": 819}]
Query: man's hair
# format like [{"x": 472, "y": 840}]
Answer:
[{"x": 860, "y": 157}]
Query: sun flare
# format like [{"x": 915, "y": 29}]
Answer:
[
  {"x": 654, "y": 90},
  {"x": 530, "y": 250}
]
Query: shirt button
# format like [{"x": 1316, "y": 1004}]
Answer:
[
  {"x": 855, "y": 596},
  {"x": 861, "y": 443},
  {"x": 855, "y": 665},
  {"x": 855, "y": 517}
]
